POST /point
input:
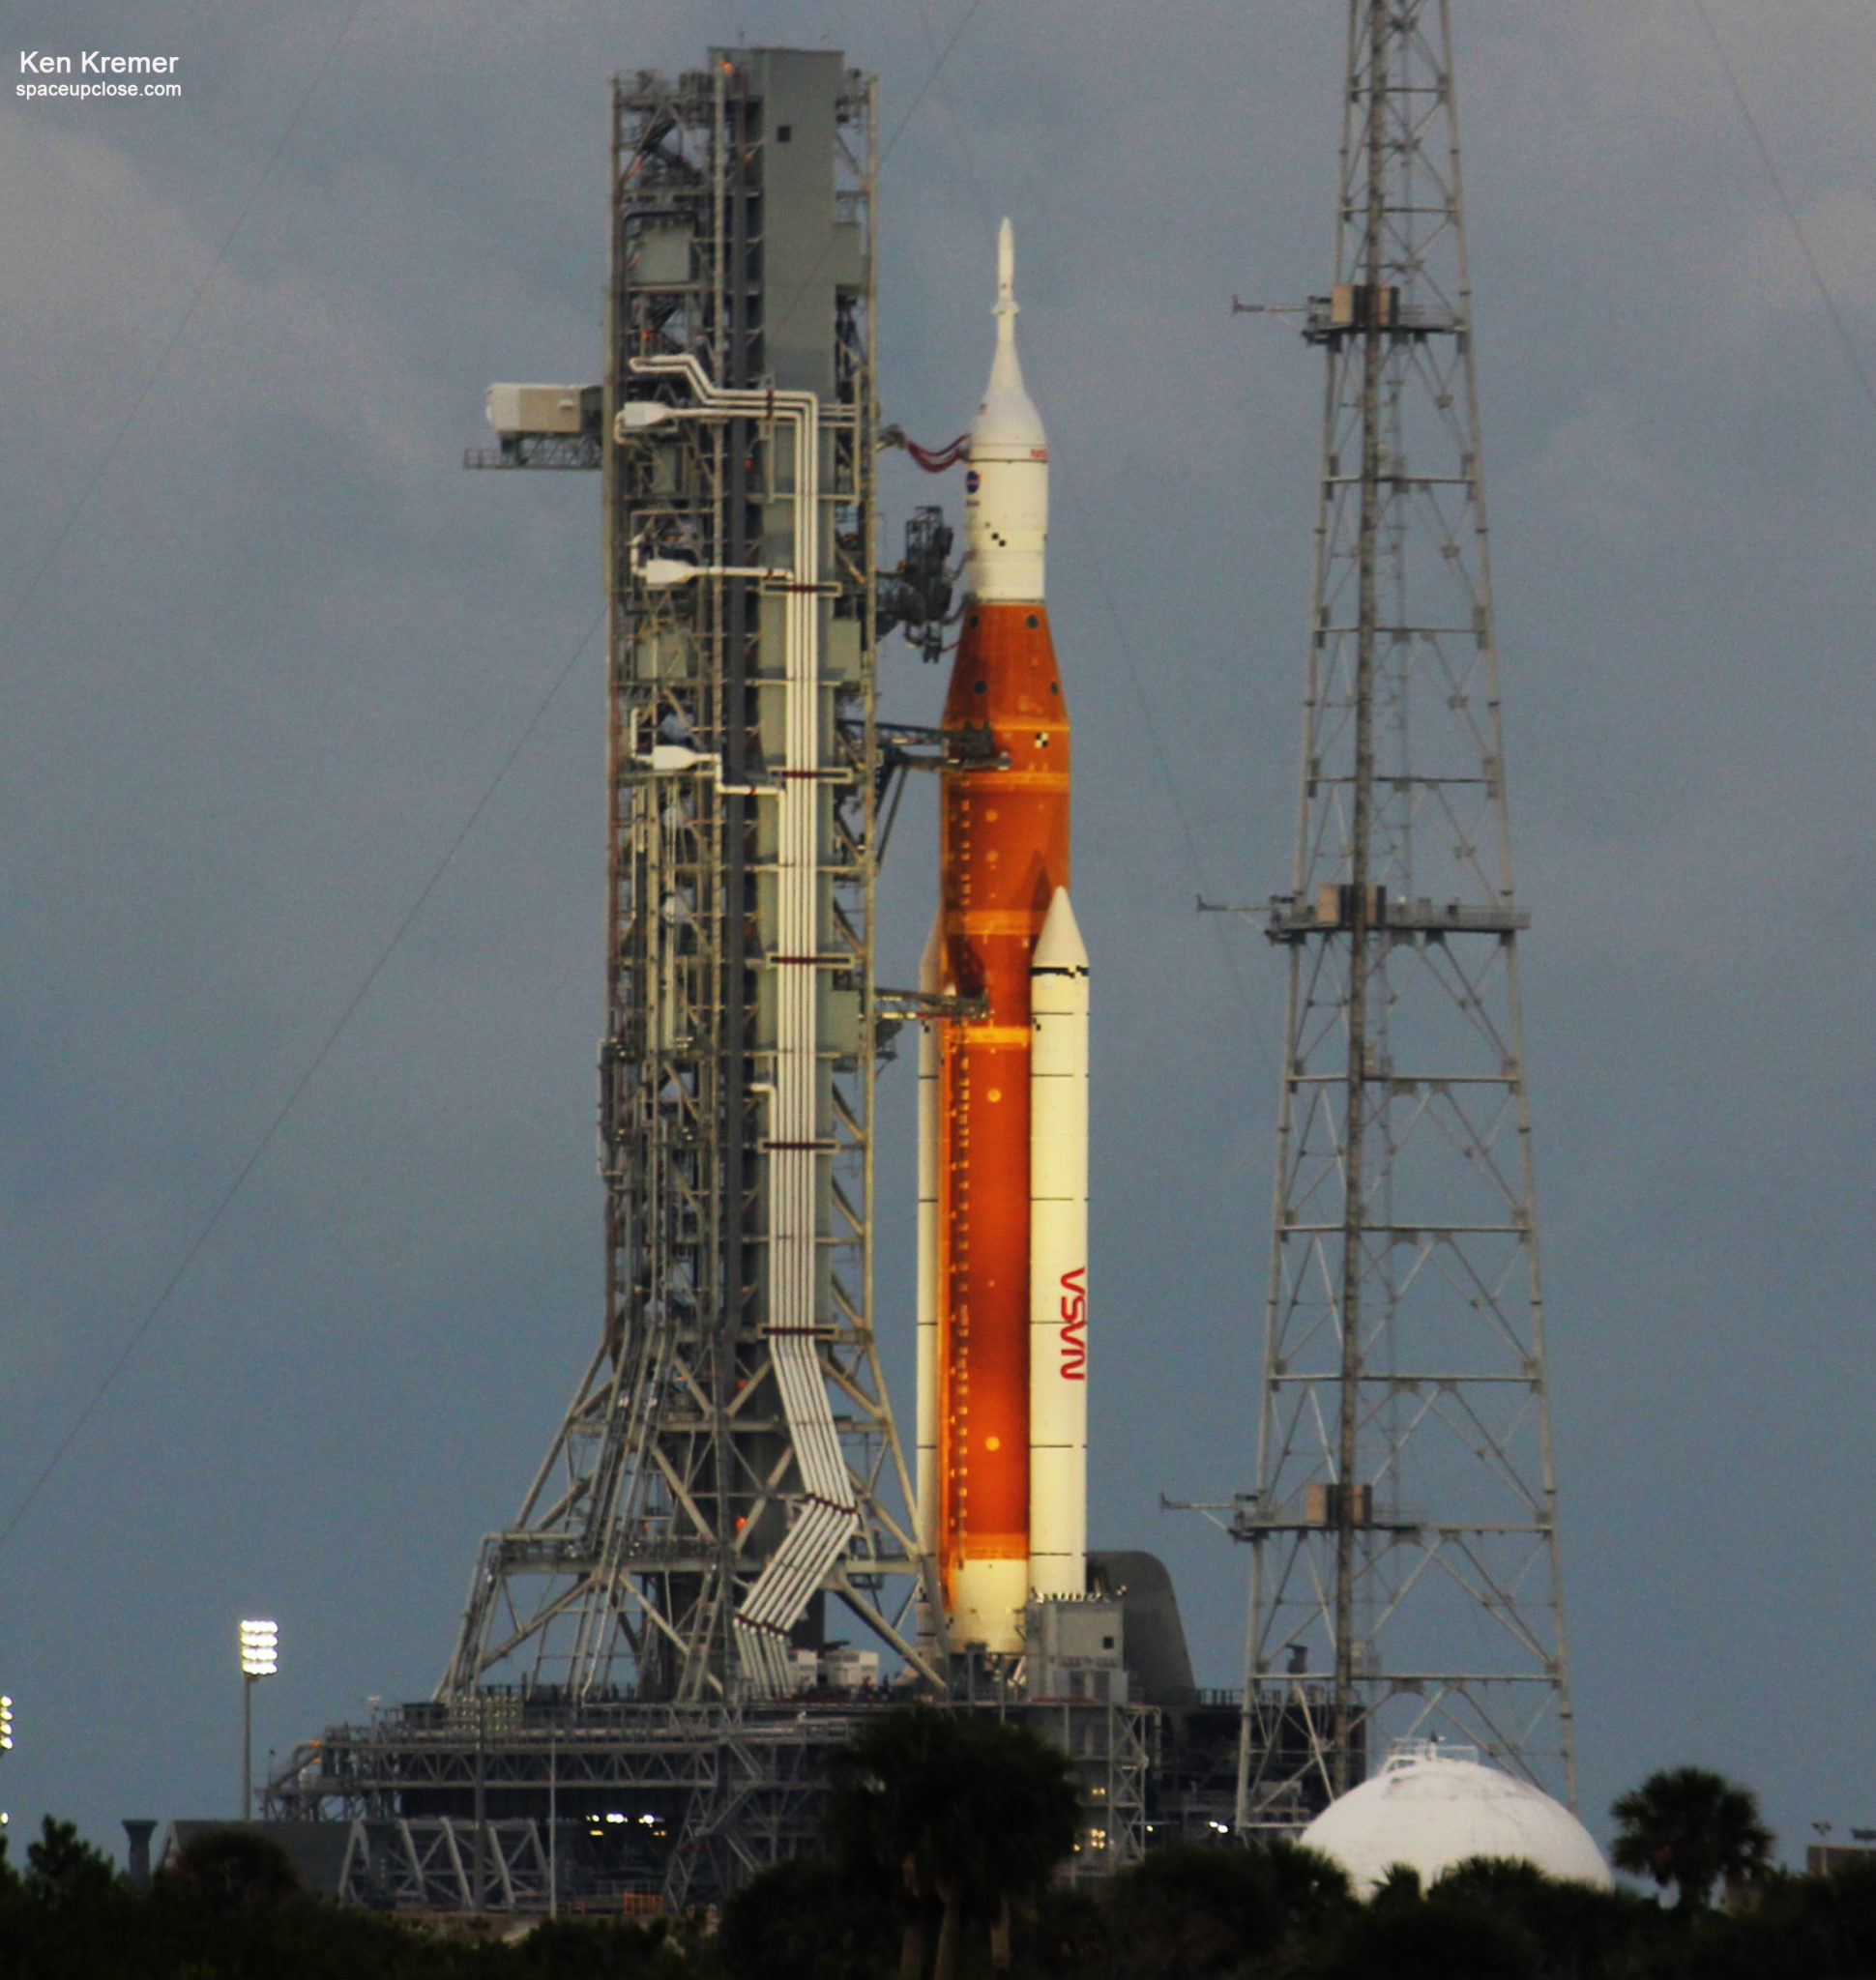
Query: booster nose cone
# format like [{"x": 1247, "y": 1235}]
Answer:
[{"x": 1007, "y": 491}]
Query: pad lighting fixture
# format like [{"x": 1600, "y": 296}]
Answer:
[{"x": 260, "y": 1647}]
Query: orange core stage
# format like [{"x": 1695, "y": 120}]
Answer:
[{"x": 1003, "y": 852}]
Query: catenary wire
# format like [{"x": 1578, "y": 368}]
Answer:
[
  {"x": 1228, "y": 954},
  {"x": 121, "y": 1360},
  {"x": 1813, "y": 265},
  {"x": 176, "y": 335},
  {"x": 1188, "y": 837},
  {"x": 971, "y": 13},
  {"x": 786, "y": 313},
  {"x": 229, "y": 1196}
]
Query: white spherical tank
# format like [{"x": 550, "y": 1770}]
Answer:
[{"x": 1433, "y": 1807}]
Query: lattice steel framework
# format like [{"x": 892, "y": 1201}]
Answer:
[
  {"x": 729, "y": 1457},
  {"x": 450, "y": 1800},
  {"x": 727, "y": 1791},
  {"x": 1404, "y": 1529}
]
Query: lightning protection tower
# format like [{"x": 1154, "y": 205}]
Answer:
[
  {"x": 728, "y": 1461},
  {"x": 1404, "y": 1526}
]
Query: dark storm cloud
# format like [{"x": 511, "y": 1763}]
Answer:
[{"x": 287, "y": 643}]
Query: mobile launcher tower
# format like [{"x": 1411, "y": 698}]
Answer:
[{"x": 644, "y": 1691}]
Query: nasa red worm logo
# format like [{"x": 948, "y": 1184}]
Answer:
[{"x": 1075, "y": 1325}]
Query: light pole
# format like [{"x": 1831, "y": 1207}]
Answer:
[
  {"x": 553, "y": 1820},
  {"x": 260, "y": 1648},
  {"x": 6, "y": 1738}
]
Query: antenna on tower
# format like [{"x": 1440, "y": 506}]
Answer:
[{"x": 1404, "y": 1580}]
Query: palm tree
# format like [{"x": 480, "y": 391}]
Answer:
[
  {"x": 892, "y": 1784},
  {"x": 1691, "y": 1828},
  {"x": 965, "y": 1817},
  {"x": 1019, "y": 1817}
]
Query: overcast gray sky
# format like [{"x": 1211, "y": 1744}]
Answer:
[{"x": 282, "y": 644}]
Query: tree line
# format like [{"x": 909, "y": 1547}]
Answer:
[{"x": 944, "y": 1842}]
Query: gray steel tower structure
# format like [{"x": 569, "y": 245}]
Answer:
[
  {"x": 729, "y": 1459},
  {"x": 1404, "y": 1526}
]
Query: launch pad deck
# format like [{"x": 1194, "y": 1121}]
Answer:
[{"x": 506, "y": 1800}]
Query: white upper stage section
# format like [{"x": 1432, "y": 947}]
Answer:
[
  {"x": 1006, "y": 490},
  {"x": 1432, "y": 1813}
]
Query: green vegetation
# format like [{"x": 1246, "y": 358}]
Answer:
[
  {"x": 964, "y": 1818},
  {"x": 1693, "y": 1829},
  {"x": 943, "y": 1839},
  {"x": 232, "y": 1910}
]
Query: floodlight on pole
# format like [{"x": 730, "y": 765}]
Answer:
[
  {"x": 260, "y": 1657},
  {"x": 260, "y": 1647},
  {"x": 6, "y": 1725}
]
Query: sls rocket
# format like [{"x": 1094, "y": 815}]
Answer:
[{"x": 1002, "y": 1211}]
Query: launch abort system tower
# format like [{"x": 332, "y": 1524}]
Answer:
[{"x": 1404, "y": 1525}]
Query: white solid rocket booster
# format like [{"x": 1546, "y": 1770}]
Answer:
[{"x": 1058, "y": 1256}]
